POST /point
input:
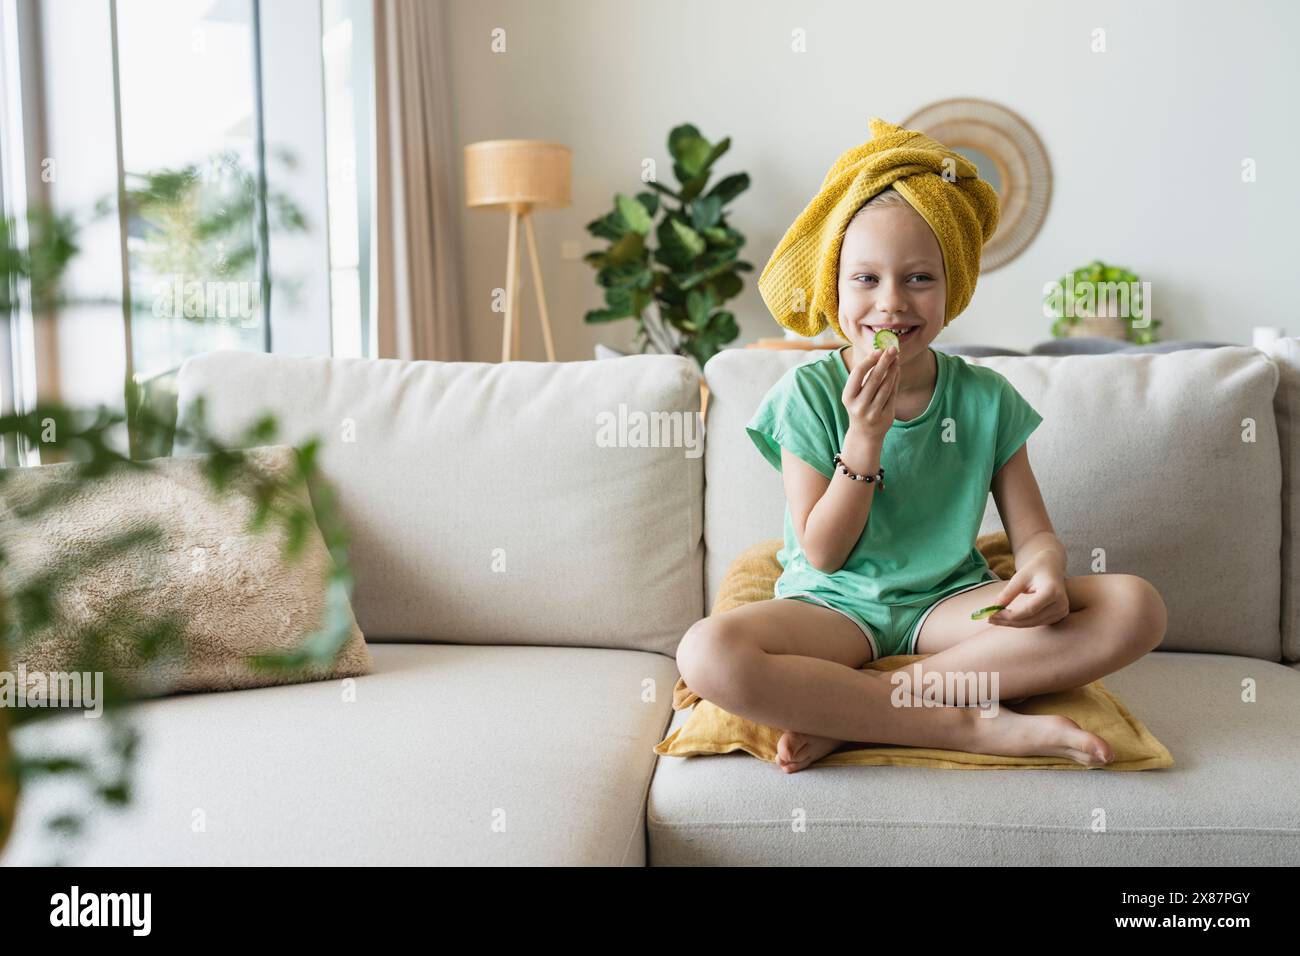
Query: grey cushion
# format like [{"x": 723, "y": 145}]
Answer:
[
  {"x": 483, "y": 499},
  {"x": 1178, "y": 345},
  {"x": 443, "y": 746},
  {"x": 1084, "y": 345},
  {"x": 1229, "y": 798},
  {"x": 977, "y": 351},
  {"x": 1156, "y": 438},
  {"x": 1103, "y": 346}
]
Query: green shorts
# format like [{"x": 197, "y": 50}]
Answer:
[{"x": 889, "y": 629}]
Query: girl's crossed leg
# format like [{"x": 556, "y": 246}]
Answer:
[
  {"x": 791, "y": 664},
  {"x": 1114, "y": 619}
]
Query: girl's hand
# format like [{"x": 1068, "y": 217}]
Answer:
[
  {"x": 1035, "y": 595},
  {"x": 869, "y": 394}
]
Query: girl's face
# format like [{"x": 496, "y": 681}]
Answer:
[{"x": 891, "y": 276}]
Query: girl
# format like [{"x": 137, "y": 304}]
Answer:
[{"x": 874, "y": 567}]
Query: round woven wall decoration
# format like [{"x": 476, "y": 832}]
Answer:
[{"x": 1010, "y": 157}]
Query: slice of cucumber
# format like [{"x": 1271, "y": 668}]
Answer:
[
  {"x": 986, "y": 612},
  {"x": 884, "y": 339}
]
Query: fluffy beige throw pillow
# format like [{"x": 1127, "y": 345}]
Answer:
[{"x": 233, "y": 592}]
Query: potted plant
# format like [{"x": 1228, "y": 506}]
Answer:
[
  {"x": 674, "y": 291},
  {"x": 1100, "y": 300}
]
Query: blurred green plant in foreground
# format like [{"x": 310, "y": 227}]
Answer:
[{"x": 34, "y": 254}]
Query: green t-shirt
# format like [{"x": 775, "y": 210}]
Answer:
[{"x": 919, "y": 539}]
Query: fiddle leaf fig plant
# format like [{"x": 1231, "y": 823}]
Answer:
[{"x": 673, "y": 275}]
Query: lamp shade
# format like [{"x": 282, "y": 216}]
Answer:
[{"x": 506, "y": 172}]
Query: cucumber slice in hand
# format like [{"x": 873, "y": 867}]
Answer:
[
  {"x": 884, "y": 339},
  {"x": 987, "y": 612}
]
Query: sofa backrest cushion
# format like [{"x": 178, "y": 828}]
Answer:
[
  {"x": 1142, "y": 464},
  {"x": 515, "y": 503},
  {"x": 1286, "y": 405}
]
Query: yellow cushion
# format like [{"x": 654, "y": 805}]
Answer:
[{"x": 712, "y": 730}]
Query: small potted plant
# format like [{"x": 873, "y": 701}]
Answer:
[
  {"x": 1102, "y": 301},
  {"x": 674, "y": 291}
]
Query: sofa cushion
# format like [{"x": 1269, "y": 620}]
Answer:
[
  {"x": 226, "y": 591},
  {"x": 1230, "y": 797},
  {"x": 495, "y": 503},
  {"x": 1140, "y": 459},
  {"x": 1286, "y": 405},
  {"x": 449, "y": 755}
]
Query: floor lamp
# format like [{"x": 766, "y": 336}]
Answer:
[{"x": 519, "y": 175}]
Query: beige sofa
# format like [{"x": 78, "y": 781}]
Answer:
[{"x": 527, "y": 559}]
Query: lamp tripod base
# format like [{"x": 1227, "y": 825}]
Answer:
[{"x": 521, "y": 214}]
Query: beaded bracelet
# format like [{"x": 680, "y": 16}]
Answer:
[{"x": 878, "y": 476}]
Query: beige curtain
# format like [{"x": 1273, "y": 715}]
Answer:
[{"x": 416, "y": 165}]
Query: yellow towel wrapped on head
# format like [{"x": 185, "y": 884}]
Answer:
[{"x": 800, "y": 283}]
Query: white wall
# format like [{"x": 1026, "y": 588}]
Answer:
[{"x": 1146, "y": 140}]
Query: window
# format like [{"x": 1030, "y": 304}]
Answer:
[
  {"x": 346, "y": 43},
  {"x": 217, "y": 155},
  {"x": 17, "y": 355},
  {"x": 190, "y": 165}
]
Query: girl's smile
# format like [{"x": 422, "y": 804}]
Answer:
[{"x": 904, "y": 332}]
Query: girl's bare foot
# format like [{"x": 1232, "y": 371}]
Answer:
[
  {"x": 1009, "y": 734},
  {"x": 1022, "y": 735},
  {"x": 794, "y": 750}
]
